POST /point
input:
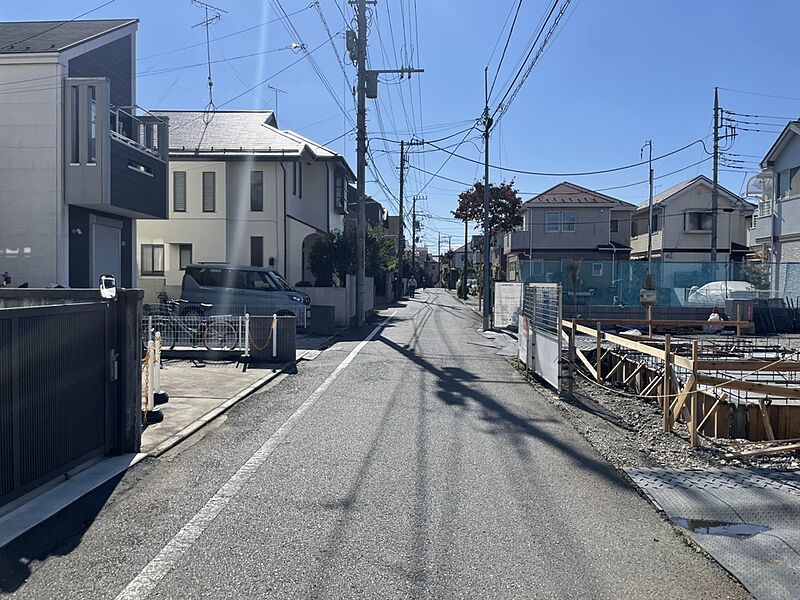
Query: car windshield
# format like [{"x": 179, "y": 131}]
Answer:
[{"x": 281, "y": 282}]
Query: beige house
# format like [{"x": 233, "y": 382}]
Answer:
[
  {"x": 244, "y": 192},
  {"x": 682, "y": 220}
]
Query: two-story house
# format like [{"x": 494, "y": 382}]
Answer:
[
  {"x": 78, "y": 164},
  {"x": 775, "y": 236},
  {"x": 241, "y": 191},
  {"x": 681, "y": 227},
  {"x": 569, "y": 223}
]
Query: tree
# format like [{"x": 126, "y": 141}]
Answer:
[
  {"x": 335, "y": 255},
  {"x": 505, "y": 206}
]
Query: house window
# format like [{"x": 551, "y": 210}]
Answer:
[
  {"x": 697, "y": 221},
  {"x": 655, "y": 225},
  {"x": 789, "y": 183},
  {"x": 568, "y": 222},
  {"x": 552, "y": 222},
  {"x": 634, "y": 228},
  {"x": 257, "y": 251},
  {"x": 179, "y": 191},
  {"x": 92, "y": 94},
  {"x": 256, "y": 191},
  {"x": 75, "y": 121},
  {"x": 614, "y": 225},
  {"x": 597, "y": 269},
  {"x": 184, "y": 256},
  {"x": 339, "y": 195},
  {"x": 209, "y": 191},
  {"x": 152, "y": 259}
]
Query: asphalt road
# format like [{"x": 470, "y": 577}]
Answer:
[{"x": 425, "y": 467}]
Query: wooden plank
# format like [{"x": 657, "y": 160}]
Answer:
[
  {"x": 765, "y": 417},
  {"x": 599, "y": 356},
  {"x": 586, "y": 362},
  {"x": 648, "y": 390},
  {"x": 748, "y": 365},
  {"x": 663, "y": 322},
  {"x": 694, "y": 440},
  {"x": 667, "y": 385},
  {"x": 709, "y": 413},
  {"x": 633, "y": 374},
  {"x": 750, "y": 386},
  {"x": 763, "y": 451},
  {"x": 682, "y": 396}
]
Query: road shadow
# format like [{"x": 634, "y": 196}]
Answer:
[
  {"x": 57, "y": 536},
  {"x": 454, "y": 390}
]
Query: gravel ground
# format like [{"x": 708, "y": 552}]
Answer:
[{"x": 627, "y": 431}]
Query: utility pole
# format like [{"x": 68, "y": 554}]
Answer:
[
  {"x": 464, "y": 277},
  {"x": 487, "y": 281},
  {"x": 401, "y": 242},
  {"x": 715, "y": 189},
  {"x": 649, "y": 145},
  {"x": 413, "y": 236},
  {"x": 361, "y": 156}
]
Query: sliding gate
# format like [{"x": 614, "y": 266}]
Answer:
[
  {"x": 55, "y": 392},
  {"x": 540, "y": 331}
]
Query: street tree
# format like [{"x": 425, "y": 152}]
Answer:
[{"x": 505, "y": 206}]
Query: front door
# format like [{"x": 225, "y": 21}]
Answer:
[{"x": 106, "y": 249}]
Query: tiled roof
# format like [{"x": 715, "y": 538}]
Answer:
[
  {"x": 232, "y": 133},
  {"x": 569, "y": 193},
  {"x": 675, "y": 189},
  {"x": 53, "y": 36}
]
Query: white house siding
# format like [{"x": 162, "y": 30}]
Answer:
[
  {"x": 33, "y": 218},
  {"x": 206, "y": 232}
]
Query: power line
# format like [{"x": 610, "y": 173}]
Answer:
[
  {"x": 577, "y": 174},
  {"x": 57, "y": 25},
  {"x": 505, "y": 47}
]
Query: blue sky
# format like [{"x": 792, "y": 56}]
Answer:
[{"x": 618, "y": 72}]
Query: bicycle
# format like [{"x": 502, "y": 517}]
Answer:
[{"x": 181, "y": 319}]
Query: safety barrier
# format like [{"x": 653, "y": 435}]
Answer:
[{"x": 191, "y": 332}]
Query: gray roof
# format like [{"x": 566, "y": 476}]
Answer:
[
  {"x": 676, "y": 189},
  {"x": 569, "y": 193},
  {"x": 791, "y": 128},
  {"x": 238, "y": 133},
  {"x": 53, "y": 36}
]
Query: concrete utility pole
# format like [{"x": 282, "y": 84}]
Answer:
[
  {"x": 413, "y": 236},
  {"x": 401, "y": 242},
  {"x": 487, "y": 280},
  {"x": 464, "y": 270},
  {"x": 715, "y": 189},
  {"x": 649, "y": 144},
  {"x": 361, "y": 156}
]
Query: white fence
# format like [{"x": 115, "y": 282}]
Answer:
[
  {"x": 540, "y": 331},
  {"x": 197, "y": 332}
]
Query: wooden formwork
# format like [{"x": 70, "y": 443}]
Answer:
[{"x": 720, "y": 386}]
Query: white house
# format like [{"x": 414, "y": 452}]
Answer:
[{"x": 241, "y": 191}]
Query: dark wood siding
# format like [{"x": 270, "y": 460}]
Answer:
[{"x": 113, "y": 61}]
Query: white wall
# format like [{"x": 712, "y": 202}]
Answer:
[{"x": 33, "y": 216}]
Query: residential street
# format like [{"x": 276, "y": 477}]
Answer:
[{"x": 425, "y": 468}]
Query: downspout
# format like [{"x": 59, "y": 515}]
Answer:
[
  {"x": 285, "y": 221},
  {"x": 328, "y": 195}
]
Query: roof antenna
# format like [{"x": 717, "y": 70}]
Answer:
[
  {"x": 209, "y": 20},
  {"x": 276, "y": 90}
]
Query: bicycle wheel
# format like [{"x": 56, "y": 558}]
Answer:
[{"x": 221, "y": 335}]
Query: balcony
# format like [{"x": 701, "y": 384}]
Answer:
[
  {"x": 761, "y": 231},
  {"x": 117, "y": 163},
  {"x": 639, "y": 243},
  {"x": 516, "y": 241}
]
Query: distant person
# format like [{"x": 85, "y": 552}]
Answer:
[
  {"x": 6, "y": 279},
  {"x": 412, "y": 286},
  {"x": 714, "y": 318}
]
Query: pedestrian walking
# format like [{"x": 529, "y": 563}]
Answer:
[{"x": 412, "y": 286}]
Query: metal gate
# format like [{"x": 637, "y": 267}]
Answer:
[
  {"x": 55, "y": 391},
  {"x": 540, "y": 331}
]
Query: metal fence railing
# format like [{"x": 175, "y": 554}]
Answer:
[
  {"x": 261, "y": 309},
  {"x": 185, "y": 332}
]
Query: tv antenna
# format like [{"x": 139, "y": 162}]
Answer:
[
  {"x": 213, "y": 14},
  {"x": 276, "y": 90}
]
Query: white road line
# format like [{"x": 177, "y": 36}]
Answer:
[{"x": 149, "y": 577}]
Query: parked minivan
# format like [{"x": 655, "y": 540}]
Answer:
[{"x": 238, "y": 289}]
